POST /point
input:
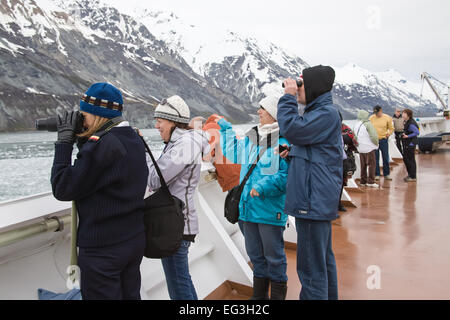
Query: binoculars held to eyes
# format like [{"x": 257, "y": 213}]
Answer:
[
  {"x": 51, "y": 124},
  {"x": 299, "y": 83}
]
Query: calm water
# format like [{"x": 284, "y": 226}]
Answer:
[{"x": 26, "y": 159}]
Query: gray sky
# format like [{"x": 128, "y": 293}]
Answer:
[{"x": 409, "y": 36}]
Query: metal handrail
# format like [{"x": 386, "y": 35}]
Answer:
[
  {"x": 53, "y": 224},
  {"x": 34, "y": 196}
]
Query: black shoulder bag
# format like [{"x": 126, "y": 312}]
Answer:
[
  {"x": 163, "y": 219},
  {"x": 234, "y": 196}
]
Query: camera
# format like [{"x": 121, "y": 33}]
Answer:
[
  {"x": 51, "y": 124},
  {"x": 282, "y": 148},
  {"x": 299, "y": 83}
]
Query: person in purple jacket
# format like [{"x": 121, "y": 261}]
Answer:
[{"x": 409, "y": 140}]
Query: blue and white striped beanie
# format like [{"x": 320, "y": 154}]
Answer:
[{"x": 102, "y": 99}]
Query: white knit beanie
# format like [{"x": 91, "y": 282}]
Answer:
[
  {"x": 173, "y": 109},
  {"x": 270, "y": 104}
]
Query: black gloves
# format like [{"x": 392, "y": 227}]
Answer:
[
  {"x": 81, "y": 141},
  {"x": 68, "y": 126}
]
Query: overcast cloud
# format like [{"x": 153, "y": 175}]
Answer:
[{"x": 409, "y": 36}]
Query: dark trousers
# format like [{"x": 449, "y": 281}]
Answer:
[
  {"x": 316, "y": 264},
  {"x": 112, "y": 272},
  {"x": 367, "y": 160},
  {"x": 384, "y": 148},
  {"x": 265, "y": 247},
  {"x": 398, "y": 141},
  {"x": 409, "y": 158}
]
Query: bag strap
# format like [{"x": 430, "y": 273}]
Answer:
[
  {"x": 158, "y": 171},
  {"x": 362, "y": 124},
  {"x": 258, "y": 157}
]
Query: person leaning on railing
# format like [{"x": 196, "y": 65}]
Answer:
[{"x": 107, "y": 183}]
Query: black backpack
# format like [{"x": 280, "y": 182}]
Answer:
[
  {"x": 163, "y": 219},
  {"x": 349, "y": 163}
]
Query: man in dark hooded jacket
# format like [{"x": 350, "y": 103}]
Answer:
[{"x": 315, "y": 176}]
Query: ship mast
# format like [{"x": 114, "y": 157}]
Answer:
[{"x": 427, "y": 77}]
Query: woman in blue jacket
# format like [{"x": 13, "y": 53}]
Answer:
[{"x": 262, "y": 202}]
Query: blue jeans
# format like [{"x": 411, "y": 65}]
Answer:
[
  {"x": 178, "y": 278},
  {"x": 241, "y": 226},
  {"x": 265, "y": 247},
  {"x": 384, "y": 148},
  {"x": 316, "y": 265}
]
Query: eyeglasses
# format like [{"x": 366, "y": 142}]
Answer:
[
  {"x": 262, "y": 107},
  {"x": 165, "y": 102}
]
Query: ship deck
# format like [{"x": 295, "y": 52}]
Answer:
[{"x": 402, "y": 228}]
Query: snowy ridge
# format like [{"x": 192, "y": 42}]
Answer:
[
  {"x": 263, "y": 64},
  {"x": 52, "y": 50},
  {"x": 390, "y": 84},
  {"x": 60, "y": 46},
  {"x": 31, "y": 20},
  {"x": 222, "y": 56}
]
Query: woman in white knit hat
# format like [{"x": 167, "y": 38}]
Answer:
[
  {"x": 261, "y": 207},
  {"x": 180, "y": 164}
]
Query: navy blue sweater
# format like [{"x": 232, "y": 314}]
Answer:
[{"x": 107, "y": 182}]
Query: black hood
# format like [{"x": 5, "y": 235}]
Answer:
[{"x": 318, "y": 80}]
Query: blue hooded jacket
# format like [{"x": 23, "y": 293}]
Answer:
[
  {"x": 268, "y": 178},
  {"x": 315, "y": 170}
]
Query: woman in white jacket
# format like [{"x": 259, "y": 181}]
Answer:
[
  {"x": 180, "y": 165},
  {"x": 367, "y": 144}
]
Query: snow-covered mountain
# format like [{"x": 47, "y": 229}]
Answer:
[
  {"x": 243, "y": 66},
  {"x": 388, "y": 87},
  {"x": 52, "y": 50},
  {"x": 253, "y": 68}
]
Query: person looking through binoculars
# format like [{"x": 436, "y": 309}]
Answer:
[{"x": 107, "y": 182}]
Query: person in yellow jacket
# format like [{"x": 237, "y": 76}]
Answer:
[{"x": 384, "y": 126}]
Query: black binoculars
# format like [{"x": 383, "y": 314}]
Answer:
[
  {"x": 51, "y": 124},
  {"x": 299, "y": 83}
]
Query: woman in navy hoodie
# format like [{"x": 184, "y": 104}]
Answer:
[
  {"x": 107, "y": 182},
  {"x": 409, "y": 140}
]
